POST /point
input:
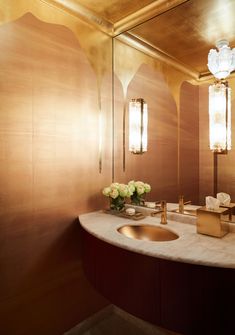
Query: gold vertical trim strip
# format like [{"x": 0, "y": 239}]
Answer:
[
  {"x": 142, "y": 126},
  {"x": 113, "y": 108},
  {"x": 178, "y": 150},
  {"x": 124, "y": 138},
  {"x": 215, "y": 176},
  {"x": 100, "y": 124}
]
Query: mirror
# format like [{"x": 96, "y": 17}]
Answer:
[{"x": 170, "y": 73}]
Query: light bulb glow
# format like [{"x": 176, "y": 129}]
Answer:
[
  {"x": 138, "y": 122},
  {"x": 220, "y": 117}
]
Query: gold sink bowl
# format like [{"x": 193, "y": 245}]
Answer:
[{"x": 147, "y": 233}]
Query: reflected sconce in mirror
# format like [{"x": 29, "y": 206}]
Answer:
[
  {"x": 220, "y": 63},
  {"x": 138, "y": 123},
  {"x": 220, "y": 117}
]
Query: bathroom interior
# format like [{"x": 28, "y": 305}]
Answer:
[{"x": 68, "y": 72}]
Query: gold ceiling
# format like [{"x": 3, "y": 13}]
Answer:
[
  {"x": 190, "y": 30},
  {"x": 179, "y": 32},
  {"x": 114, "y": 10}
]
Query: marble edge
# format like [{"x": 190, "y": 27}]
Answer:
[{"x": 216, "y": 259}]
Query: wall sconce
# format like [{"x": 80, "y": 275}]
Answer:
[
  {"x": 220, "y": 117},
  {"x": 220, "y": 64},
  {"x": 138, "y": 122}
]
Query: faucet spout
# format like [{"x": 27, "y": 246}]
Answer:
[
  {"x": 163, "y": 212},
  {"x": 182, "y": 203}
]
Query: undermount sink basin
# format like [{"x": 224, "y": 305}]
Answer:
[
  {"x": 147, "y": 233},
  {"x": 191, "y": 212}
]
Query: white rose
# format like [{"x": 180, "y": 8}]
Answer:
[
  {"x": 130, "y": 191},
  {"x": 131, "y": 188},
  {"x": 114, "y": 186},
  {"x": 106, "y": 191},
  {"x": 139, "y": 183},
  {"x": 123, "y": 189},
  {"x": 131, "y": 182},
  {"x": 147, "y": 188},
  {"x": 140, "y": 189},
  {"x": 114, "y": 193}
]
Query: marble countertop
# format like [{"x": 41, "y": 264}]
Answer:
[{"x": 190, "y": 247}]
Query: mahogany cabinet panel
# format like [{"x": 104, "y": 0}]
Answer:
[
  {"x": 127, "y": 279},
  {"x": 197, "y": 299},
  {"x": 175, "y": 296},
  {"x": 186, "y": 298}
]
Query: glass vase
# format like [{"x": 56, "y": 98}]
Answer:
[
  {"x": 117, "y": 204},
  {"x": 137, "y": 199}
]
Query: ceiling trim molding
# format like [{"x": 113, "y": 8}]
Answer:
[
  {"x": 208, "y": 76},
  {"x": 140, "y": 16},
  {"x": 144, "y": 14},
  {"x": 140, "y": 45},
  {"x": 74, "y": 8}
]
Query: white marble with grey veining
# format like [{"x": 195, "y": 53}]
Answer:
[{"x": 190, "y": 247}]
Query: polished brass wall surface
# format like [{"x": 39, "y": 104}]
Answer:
[{"x": 49, "y": 174}]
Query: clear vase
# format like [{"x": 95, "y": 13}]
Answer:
[
  {"x": 117, "y": 204},
  {"x": 137, "y": 199}
]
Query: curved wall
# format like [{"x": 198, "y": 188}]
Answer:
[{"x": 49, "y": 173}]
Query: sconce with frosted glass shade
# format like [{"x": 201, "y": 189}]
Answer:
[
  {"x": 220, "y": 117},
  {"x": 222, "y": 62},
  {"x": 138, "y": 123}
]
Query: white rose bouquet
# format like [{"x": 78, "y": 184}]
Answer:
[
  {"x": 117, "y": 194},
  {"x": 138, "y": 190}
]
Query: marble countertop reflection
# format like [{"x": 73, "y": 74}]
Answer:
[{"x": 190, "y": 247}]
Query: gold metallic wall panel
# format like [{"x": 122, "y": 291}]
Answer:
[
  {"x": 49, "y": 174},
  {"x": 95, "y": 44},
  {"x": 125, "y": 71},
  {"x": 189, "y": 142}
]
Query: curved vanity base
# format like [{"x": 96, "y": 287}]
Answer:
[{"x": 185, "y": 298}]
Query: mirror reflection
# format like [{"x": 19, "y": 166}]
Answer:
[{"x": 164, "y": 61}]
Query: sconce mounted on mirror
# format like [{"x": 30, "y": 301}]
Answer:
[
  {"x": 220, "y": 63},
  {"x": 220, "y": 117},
  {"x": 138, "y": 123}
]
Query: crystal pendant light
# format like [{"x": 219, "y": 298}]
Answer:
[
  {"x": 138, "y": 122},
  {"x": 222, "y": 62}
]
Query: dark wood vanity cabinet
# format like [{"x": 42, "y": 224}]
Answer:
[
  {"x": 116, "y": 273},
  {"x": 185, "y": 298}
]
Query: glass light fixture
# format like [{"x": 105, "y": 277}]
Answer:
[
  {"x": 138, "y": 122},
  {"x": 220, "y": 117},
  {"x": 221, "y": 63}
]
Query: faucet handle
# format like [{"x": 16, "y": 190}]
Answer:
[{"x": 181, "y": 200}]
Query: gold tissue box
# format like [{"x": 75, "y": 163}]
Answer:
[{"x": 209, "y": 222}]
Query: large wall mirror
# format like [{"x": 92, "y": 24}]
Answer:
[{"x": 164, "y": 62}]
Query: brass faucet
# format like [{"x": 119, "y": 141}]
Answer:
[
  {"x": 162, "y": 211},
  {"x": 182, "y": 203}
]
